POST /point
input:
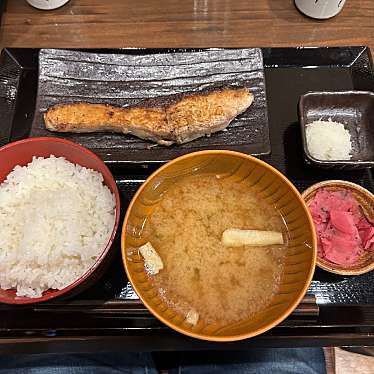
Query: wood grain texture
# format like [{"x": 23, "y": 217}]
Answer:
[{"x": 176, "y": 23}]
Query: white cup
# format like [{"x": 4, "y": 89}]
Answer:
[
  {"x": 47, "y": 4},
  {"x": 320, "y": 9}
]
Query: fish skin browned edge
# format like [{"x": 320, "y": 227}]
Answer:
[{"x": 175, "y": 119}]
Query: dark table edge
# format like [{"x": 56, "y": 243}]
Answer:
[{"x": 170, "y": 341}]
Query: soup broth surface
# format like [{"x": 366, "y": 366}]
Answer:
[{"x": 222, "y": 284}]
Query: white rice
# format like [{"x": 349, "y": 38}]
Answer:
[
  {"x": 328, "y": 140},
  {"x": 56, "y": 219}
]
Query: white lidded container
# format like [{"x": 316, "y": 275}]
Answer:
[
  {"x": 320, "y": 9},
  {"x": 47, "y": 4}
]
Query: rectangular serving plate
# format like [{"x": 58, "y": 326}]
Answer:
[
  {"x": 289, "y": 73},
  {"x": 124, "y": 78}
]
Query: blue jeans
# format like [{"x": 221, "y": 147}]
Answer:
[{"x": 256, "y": 361}]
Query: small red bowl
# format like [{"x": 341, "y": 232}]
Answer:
[{"x": 21, "y": 153}]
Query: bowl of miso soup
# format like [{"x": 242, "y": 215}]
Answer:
[{"x": 219, "y": 245}]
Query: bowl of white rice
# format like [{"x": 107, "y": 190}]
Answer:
[{"x": 59, "y": 213}]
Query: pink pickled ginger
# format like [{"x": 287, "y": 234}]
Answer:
[{"x": 343, "y": 231}]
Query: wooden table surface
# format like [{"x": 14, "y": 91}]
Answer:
[{"x": 182, "y": 23}]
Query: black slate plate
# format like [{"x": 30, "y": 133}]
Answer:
[
  {"x": 124, "y": 79},
  {"x": 344, "y": 302}
]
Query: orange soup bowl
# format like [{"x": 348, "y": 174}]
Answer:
[
  {"x": 21, "y": 153},
  {"x": 269, "y": 184}
]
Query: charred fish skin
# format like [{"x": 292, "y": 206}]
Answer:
[
  {"x": 198, "y": 116},
  {"x": 177, "y": 119}
]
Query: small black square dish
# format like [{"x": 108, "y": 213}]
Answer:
[{"x": 353, "y": 109}]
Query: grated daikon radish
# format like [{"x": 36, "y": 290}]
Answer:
[{"x": 328, "y": 140}]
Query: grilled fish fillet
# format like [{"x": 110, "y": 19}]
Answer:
[{"x": 177, "y": 119}]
